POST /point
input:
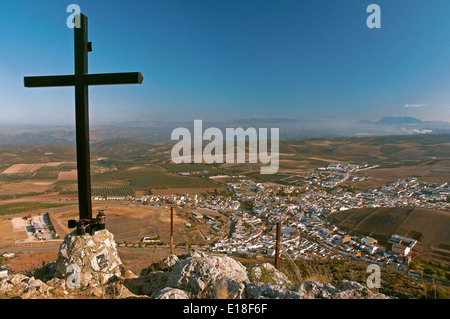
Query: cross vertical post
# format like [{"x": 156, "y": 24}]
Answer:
[
  {"x": 82, "y": 119},
  {"x": 81, "y": 81}
]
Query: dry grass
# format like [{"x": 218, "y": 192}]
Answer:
[
  {"x": 296, "y": 271},
  {"x": 307, "y": 272},
  {"x": 220, "y": 290}
]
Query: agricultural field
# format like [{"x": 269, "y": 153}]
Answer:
[
  {"x": 130, "y": 223},
  {"x": 21, "y": 180},
  {"x": 30, "y": 168},
  {"x": 28, "y": 186},
  {"x": 430, "y": 227},
  {"x": 194, "y": 169},
  {"x": 68, "y": 176},
  {"x": 128, "y": 181},
  {"x": 23, "y": 207},
  {"x": 124, "y": 167}
]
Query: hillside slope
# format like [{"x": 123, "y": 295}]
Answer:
[{"x": 430, "y": 226}]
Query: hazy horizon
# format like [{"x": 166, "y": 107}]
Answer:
[
  {"x": 215, "y": 60},
  {"x": 69, "y": 124}
]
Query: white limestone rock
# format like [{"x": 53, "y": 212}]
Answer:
[
  {"x": 197, "y": 274},
  {"x": 257, "y": 290},
  {"x": 88, "y": 260},
  {"x": 316, "y": 290},
  {"x": 348, "y": 290},
  {"x": 267, "y": 273},
  {"x": 170, "y": 293},
  {"x": 354, "y": 290}
]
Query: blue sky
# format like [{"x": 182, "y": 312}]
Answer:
[{"x": 215, "y": 60}]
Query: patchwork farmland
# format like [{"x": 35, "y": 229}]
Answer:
[{"x": 36, "y": 179}]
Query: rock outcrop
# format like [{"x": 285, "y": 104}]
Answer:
[
  {"x": 316, "y": 290},
  {"x": 267, "y": 273},
  {"x": 201, "y": 275},
  {"x": 258, "y": 290},
  {"x": 88, "y": 260},
  {"x": 23, "y": 285},
  {"x": 193, "y": 276},
  {"x": 170, "y": 293}
]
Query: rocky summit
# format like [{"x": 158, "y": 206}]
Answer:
[
  {"x": 197, "y": 275},
  {"x": 88, "y": 260}
]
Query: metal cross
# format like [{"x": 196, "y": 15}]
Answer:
[{"x": 81, "y": 80}]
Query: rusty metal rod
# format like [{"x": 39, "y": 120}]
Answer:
[
  {"x": 171, "y": 230},
  {"x": 277, "y": 247}
]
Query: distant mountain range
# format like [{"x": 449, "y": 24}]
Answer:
[{"x": 160, "y": 132}]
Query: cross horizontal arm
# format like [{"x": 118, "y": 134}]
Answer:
[
  {"x": 114, "y": 78},
  {"x": 48, "y": 81},
  {"x": 88, "y": 79}
]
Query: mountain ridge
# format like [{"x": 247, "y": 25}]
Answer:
[{"x": 160, "y": 132}]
